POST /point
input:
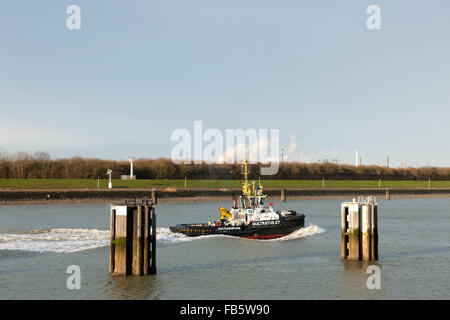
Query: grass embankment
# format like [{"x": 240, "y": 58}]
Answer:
[{"x": 180, "y": 183}]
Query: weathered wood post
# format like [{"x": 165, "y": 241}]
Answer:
[
  {"x": 365, "y": 232},
  {"x": 138, "y": 240},
  {"x": 353, "y": 230},
  {"x": 112, "y": 247},
  {"x": 133, "y": 239},
  {"x": 148, "y": 221},
  {"x": 344, "y": 230},
  {"x": 154, "y": 197},
  {"x": 359, "y": 229},
  {"x": 388, "y": 195},
  {"x": 121, "y": 228},
  {"x": 153, "y": 231},
  {"x": 153, "y": 240},
  {"x": 374, "y": 231},
  {"x": 283, "y": 195}
]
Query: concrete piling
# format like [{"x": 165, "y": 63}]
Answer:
[
  {"x": 138, "y": 241},
  {"x": 344, "y": 229},
  {"x": 359, "y": 229},
  {"x": 133, "y": 239},
  {"x": 153, "y": 242},
  {"x": 154, "y": 197},
  {"x": 283, "y": 195},
  {"x": 365, "y": 233},
  {"x": 374, "y": 232}
]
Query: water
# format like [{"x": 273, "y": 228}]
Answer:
[{"x": 38, "y": 243}]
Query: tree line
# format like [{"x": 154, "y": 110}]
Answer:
[{"x": 39, "y": 165}]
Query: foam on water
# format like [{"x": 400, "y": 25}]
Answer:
[
  {"x": 164, "y": 235},
  {"x": 62, "y": 240},
  {"x": 307, "y": 231}
]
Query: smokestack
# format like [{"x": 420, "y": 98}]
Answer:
[{"x": 357, "y": 158}]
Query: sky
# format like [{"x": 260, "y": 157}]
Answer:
[{"x": 138, "y": 70}]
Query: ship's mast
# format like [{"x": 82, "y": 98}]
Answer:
[
  {"x": 250, "y": 192},
  {"x": 245, "y": 186},
  {"x": 245, "y": 171}
]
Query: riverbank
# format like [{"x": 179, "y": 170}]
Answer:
[
  {"x": 99, "y": 196},
  {"x": 94, "y": 184}
]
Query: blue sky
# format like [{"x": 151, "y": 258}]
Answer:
[{"x": 138, "y": 70}]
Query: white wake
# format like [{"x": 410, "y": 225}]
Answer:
[
  {"x": 307, "y": 231},
  {"x": 63, "y": 240},
  {"x": 60, "y": 240},
  {"x": 164, "y": 235}
]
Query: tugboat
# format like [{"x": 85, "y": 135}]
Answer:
[{"x": 249, "y": 217}]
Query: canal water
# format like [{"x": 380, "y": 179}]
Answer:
[{"x": 38, "y": 243}]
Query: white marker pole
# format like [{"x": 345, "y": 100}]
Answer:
[
  {"x": 131, "y": 169},
  {"x": 131, "y": 160},
  {"x": 109, "y": 172}
]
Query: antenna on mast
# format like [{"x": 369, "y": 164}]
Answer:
[{"x": 245, "y": 186}]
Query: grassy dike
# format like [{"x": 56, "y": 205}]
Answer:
[
  {"x": 47, "y": 191},
  {"x": 216, "y": 184}
]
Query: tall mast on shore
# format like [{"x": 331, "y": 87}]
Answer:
[{"x": 131, "y": 160}]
